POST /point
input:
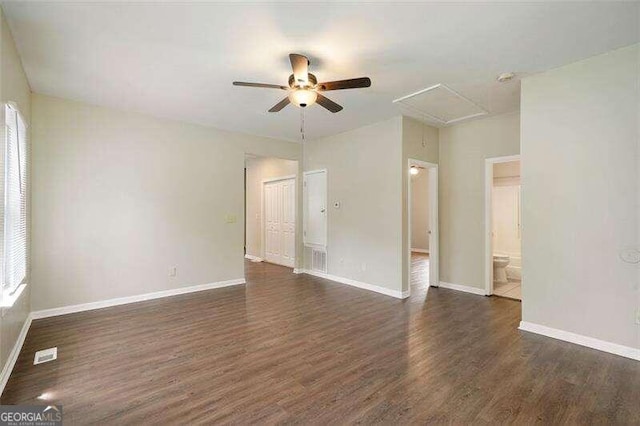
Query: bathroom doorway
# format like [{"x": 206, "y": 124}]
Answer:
[
  {"x": 423, "y": 225},
  {"x": 503, "y": 228}
]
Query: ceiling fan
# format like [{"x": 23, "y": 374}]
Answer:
[{"x": 304, "y": 89}]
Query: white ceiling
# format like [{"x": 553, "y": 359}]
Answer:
[{"x": 178, "y": 60}]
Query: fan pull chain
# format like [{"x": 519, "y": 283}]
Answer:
[{"x": 302, "y": 123}]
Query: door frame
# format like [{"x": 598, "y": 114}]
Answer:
[
  {"x": 434, "y": 223},
  {"x": 488, "y": 216},
  {"x": 262, "y": 214}
]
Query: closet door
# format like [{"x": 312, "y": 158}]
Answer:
[
  {"x": 280, "y": 222},
  {"x": 272, "y": 222},
  {"x": 288, "y": 224}
]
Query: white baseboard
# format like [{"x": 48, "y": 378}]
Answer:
[
  {"x": 418, "y": 250},
  {"x": 253, "y": 258},
  {"x": 298, "y": 271},
  {"x": 581, "y": 340},
  {"x": 132, "y": 299},
  {"x": 13, "y": 356},
  {"x": 465, "y": 288},
  {"x": 365, "y": 286}
]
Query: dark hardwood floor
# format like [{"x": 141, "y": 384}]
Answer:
[{"x": 291, "y": 348}]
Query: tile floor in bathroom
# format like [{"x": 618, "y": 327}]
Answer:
[{"x": 512, "y": 289}]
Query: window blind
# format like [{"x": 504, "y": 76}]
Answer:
[{"x": 15, "y": 201}]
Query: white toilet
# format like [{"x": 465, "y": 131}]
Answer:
[{"x": 500, "y": 269}]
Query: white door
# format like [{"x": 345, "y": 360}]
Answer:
[
  {"x": 288, "y": 222},
  {"x": 280, "y": 222},
  {"x": 315, "y": 208}
]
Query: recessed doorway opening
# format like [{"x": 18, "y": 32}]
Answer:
[
  {"x": 423, "y": 225},
  {"x": 271, "y": 210},
  {"x": 503, "y": 227}
]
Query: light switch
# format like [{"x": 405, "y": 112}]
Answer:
[{"x": 230, "y": 218}]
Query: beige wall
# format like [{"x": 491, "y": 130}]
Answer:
[
  {"x": 363, "y": 174},
  {"x": 419, "y": 142},
  {"x": 259, "y": 169},
  {"x": 420, "y": 210},
  {"x": 463, "y": 150},
  {"x": 580, "y": 177},
  {"x": 13, "y": 88},
  {"x": 119, "y": 198}
]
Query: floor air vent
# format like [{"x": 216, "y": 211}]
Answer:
[
  {"x": 319, "y": 260},
  {"x": 45, "y": 355}
]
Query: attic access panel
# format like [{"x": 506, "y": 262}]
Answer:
[{"x": 442, "y": 104}]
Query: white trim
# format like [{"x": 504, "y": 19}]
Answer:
[
  {"x": 488, "y": 217},
  {"x": 15, "y": 352},
  {"x": 503, "y": 159},
  {"x": 578, "y": 339},
  {"x": 465, "y": 288},
  {"x": 46, "y": 313},
  {"x": 418, "y": 250},
  {"x": 365, "y": 286},
  {"x": 8, "y": 298},
  {"x": 276, "y": 179},
  {"x": 253, "y": 258},
  {"x": 310, "y": 172},
  {"x": 434, "y": 239},
  {"x": 467, "y": 117},
  {"x": 453, "y": 92},
  {"x": 298, "y": 271}
]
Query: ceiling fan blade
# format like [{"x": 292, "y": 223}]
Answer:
[
  {"x": 328, "y": 104},
  {"x": 269, "y": 86},
  {"x": 283, "y": 103},
  {"x": 300, "y": 65},
  {"x": 353, "y": 83}
]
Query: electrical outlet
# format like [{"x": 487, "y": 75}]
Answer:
[
  {"x": 173, "y": 271},
  {"x": 364, "y": 266},
  {"x": 638, "y": 316}
]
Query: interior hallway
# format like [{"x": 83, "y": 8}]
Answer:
[
  {"x": 419, "y": 272},
  {"x": 296, "y": 348}
]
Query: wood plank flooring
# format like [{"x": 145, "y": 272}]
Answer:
[{"x": 291, "y": 348}]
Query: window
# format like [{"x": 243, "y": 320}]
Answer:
[{"x": 14, "y": 259}]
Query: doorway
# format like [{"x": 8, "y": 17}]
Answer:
[
  {"x": 503, "y": 227},
  {"x": 423, "y": 225},
  {"x": 271, "y": 210}
]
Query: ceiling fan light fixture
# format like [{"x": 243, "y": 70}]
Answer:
[
  {"x": 303, "y": 97},
  {"x": 304, "y": 89}
]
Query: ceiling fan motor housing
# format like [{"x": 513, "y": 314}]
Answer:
[{"x": 313, "y": 81}]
